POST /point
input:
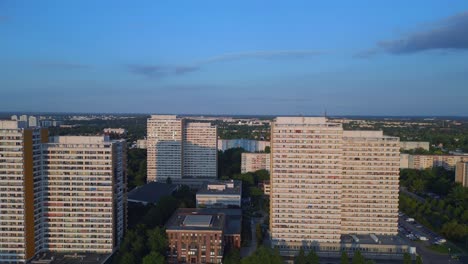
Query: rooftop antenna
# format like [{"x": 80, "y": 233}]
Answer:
[{"x": 325, "y": 113}]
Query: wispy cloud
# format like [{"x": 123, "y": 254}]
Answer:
[
  {"x": 158, "y": 71},
  {"x": 448, "y": 34},
  {"x": 62, "y": 65}
]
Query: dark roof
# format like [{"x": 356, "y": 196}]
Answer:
[
  {"x": 231, "y": 224},
  {"x": 69, "y": 258},
  {"x": 151, "y": 192}
]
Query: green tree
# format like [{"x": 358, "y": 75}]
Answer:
[
  {"x": 232, "y": 257},
  {"x": 300, "y": 258},
  {"x": 168, "y": 180},
  {"x": 153, "y": 258},
  {"x": 157, "y": 240},
  {"x": 344, "y": 258},
  {"x": 358, "y": 258},
  {"x": 407, "y": 258},
  {"x": 312, "y": 257},
  {"x": 267, "y": 149},
  {"x": 419, "y": 260},
  {"x": 259, "y": 233},
  {"x": 127, "y": 258}
]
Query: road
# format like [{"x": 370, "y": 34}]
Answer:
[
  {"x": 247, "y": 251},
  {"x": 413, "y": 195}
]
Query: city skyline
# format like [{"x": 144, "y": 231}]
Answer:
[{"x": 235, "y": 58}]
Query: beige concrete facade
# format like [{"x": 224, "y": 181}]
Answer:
[
  {"x": 410, "y": 145},
  {"x": 180, "y": 149},
  {"x": 251, "y": 162},
  {"x": 461, "y": 173},
  {"x": 63, "y": 195},
  {"x": 326, "y": 182}
]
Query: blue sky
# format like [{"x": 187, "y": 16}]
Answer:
[{"x": 235, "y": 57}]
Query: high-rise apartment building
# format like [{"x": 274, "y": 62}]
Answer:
[
  {"x": 369, "y": 182},
  {"x": 182, "y": 150},
  {"x": 326, "y": 183},
  {"x": 85, "y": 194},
  {"x": 67, "y": 195},
  {"x": 20, "y": 171}
]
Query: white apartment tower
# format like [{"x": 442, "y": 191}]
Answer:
[
  {"x": 164, "y": 147},
  {"x": 182, "y": 150},
  {"x": 326, "y": 182},
  {"x": 86, "y": 203},
  {"x": 66, "y": 195}
]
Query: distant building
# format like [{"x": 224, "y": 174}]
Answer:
[
  {"x": 448, "y": 162},
  {"x": 252, "y": 162},
  {"x": 117, "y": 131},
  {"x": 222, "y": 194},
  {"x": 182, "y": 150},
  {"x": 247, "y": 144},
  {"x": 266, "y": 187},
  {"x": 201, "y": 235},
  {"x": 14, "y": 117},
  {"x": 151, "y": 192},
  {"x": 411, "y": 145},
  {"x": 141, "y": 144},
  {"x": 323, "y": 182},
  {"x": 32, "y": 121},
  {"x": 404, "y": 161},
  {"x": 23, "y": 118},
  {"x": 461, "y": 174}
]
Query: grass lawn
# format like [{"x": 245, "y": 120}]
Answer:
[{"x": 444, "y": 249}]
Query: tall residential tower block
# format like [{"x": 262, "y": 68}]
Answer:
[
  {"x": 182, "y": 150},
  {"x": 66, "y": 195},
  {"x": 327, "y": 182}
]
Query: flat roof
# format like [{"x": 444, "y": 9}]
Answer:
[
  {"x": 69, "y": 258},
  {"x": 221, "y": 187},
  {"x": 151, "y": 192},
  {"x": 367, "y": 240},
  {"x": 198, "y": 220},
  {"x": 227, "y": 219}
]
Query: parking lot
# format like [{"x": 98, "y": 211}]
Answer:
[{"x": 420, "y": 237}]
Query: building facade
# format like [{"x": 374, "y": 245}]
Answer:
[
  {"x": 184, "y": 151},
  {"x": 327, "y": 183},
  {"x": 202, "y": 235},
  {"x": 448, "y": 162},
  {"x": 220, "y": 195},
  {"x": 20, "y": 213},
  {"x": 85, "y": 192},
  {"x": 251, "y": 162},
  {"x": 461, "y": 173},
  {"x": 55, "y": 195},
  {"x": 248, "y": 145}
]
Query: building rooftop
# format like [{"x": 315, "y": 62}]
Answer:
[
  {"x": 151, "y": 192},
  {"x": 70, "y": 258},
  {"x": 221, "y": 187},
  {"x": 79, "y": 139},
  {"x": 367, "y": 239},
  {"x": 193, "y": 219},
  {"x": 232, "y": 222}
]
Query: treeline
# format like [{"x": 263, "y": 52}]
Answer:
[
  {"x": 448, "y": 216},
  {"x": 145, "y": 240},
  {"x": 229, "y": 162},
  {"x": 235, "y": 131},
  {"x": 436, "y": 180},
  {"x": 136, "y": 167},
  {"x": 135, "y": 126}
]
